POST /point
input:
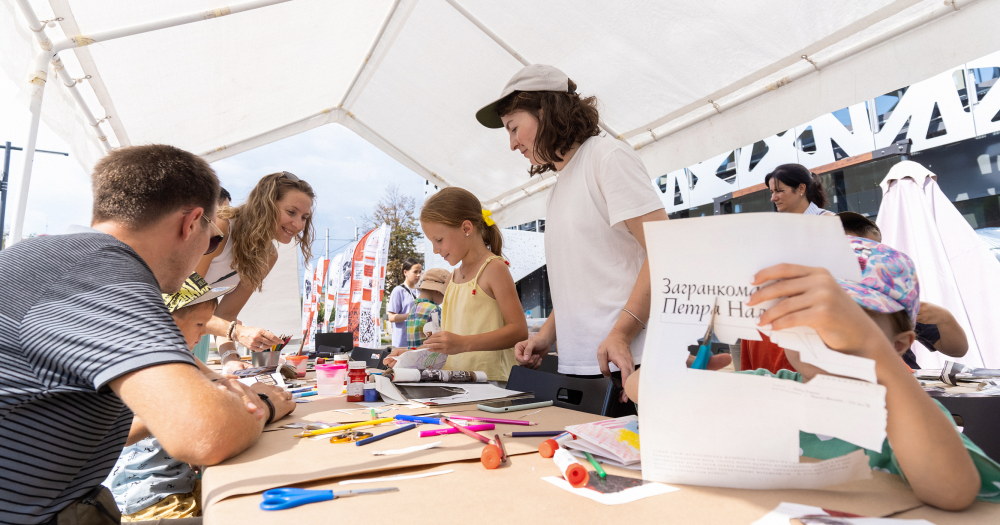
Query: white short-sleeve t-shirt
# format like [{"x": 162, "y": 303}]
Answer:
[{"x": 593, "y": 259}]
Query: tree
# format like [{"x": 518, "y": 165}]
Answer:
[{"x": 400, "y": 213}]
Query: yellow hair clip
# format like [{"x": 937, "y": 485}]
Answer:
[{"x": 486, "y": 218}]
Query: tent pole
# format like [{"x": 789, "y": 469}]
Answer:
[
  {"x": 368, "y": 56},
  {"x": 808, "y": 66},
  {"x": 517, "y": 56},
  {"x": 49, "y": 51}
]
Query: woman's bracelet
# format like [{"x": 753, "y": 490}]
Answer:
[
  {"x": 634, "y": 317},
  {"x": 229, "y": 333}
]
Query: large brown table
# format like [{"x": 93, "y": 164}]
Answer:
[{"x": 515, "y": 492}]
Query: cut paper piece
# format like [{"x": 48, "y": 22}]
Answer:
[
  {"x": 817, "y": 516},
  {"x": 396, "y": 478},
  {"x": 691, "y": 441},
  {"x": 614, "y": 498},
  {"x": 421, "y": 359},
  {"x": 407, "y": 450}
]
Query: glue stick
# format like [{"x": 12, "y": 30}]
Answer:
[
  {"x": 575, "y": 473},
  {"x": 548, "y": 447}
]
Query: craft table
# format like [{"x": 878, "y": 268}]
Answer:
[{"x": 513, "y": 493}]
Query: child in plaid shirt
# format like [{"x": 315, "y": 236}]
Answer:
[{"x": 432, "y": 287}]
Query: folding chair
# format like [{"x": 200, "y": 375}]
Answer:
[
  {"x": 978, "y": 416},
  {"x": 585, "y": 395},
  {"x": 550, "y": 364}
]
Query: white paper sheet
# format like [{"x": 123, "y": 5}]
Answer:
[
  {"x": 473, "y": 392},
  {"x": 736, "y": 430},
  {"x": 408, "y": 450},
  {"x": 788, "y": 511},
  {"x": 395, "y": 478},
  {"x": 617, "y": 498}
]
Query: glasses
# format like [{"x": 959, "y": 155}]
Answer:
[
  {"x": 350, "y": 436},
  {"x": 213, "y": 243},
  {"x": 290, "y": 176}
]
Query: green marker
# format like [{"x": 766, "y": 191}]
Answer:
[{"x": 597, "y": 466}]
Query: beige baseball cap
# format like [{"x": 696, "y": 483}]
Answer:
[
  {"x": 435, "y": 279},
  {"x": 536, "y": 77}
]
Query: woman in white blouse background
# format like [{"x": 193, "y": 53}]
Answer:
[{"x": 795, "y": 189}]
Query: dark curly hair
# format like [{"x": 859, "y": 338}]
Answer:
[{"x": 564, "y": 119}]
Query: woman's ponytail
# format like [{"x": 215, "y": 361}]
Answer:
[{"x": 794, "y": 175}]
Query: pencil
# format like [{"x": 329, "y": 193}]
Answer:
[
  {"x": 466, "y": 431},
  {"x": 540, "y": 433},
  {"x": 384, "y": 435},
  {"x": 495, "y": 420},
  {"x": 337, "y": 428},
  {"x": 597, "y": 466}
]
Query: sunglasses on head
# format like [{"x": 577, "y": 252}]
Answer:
[
  {"x": 290, "y": 176},
  {"x": 213, "y": 243}
]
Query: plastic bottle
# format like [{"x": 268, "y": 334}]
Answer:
[
  {"x": 575, "y": 473},
  {"x": 356, "y": 377}
]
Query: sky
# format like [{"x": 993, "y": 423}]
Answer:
[{"x": 348, "y": 174}]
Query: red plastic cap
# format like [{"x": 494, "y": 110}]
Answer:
[
  {"x": 490, "y": 457},
  {"x": 577, "y": 475},
  {"x": 548, "y": 448}
]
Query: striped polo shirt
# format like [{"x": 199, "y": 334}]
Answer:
[{"x": 76, "y": 312}]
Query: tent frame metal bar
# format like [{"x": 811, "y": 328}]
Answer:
[
  {"x": 371, "y": 51},
  {"x": 807, "y": 66},
  {"x": 40, "y": 73}
]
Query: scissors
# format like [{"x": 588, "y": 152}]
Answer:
[
  {"x": 705, "y": 350},
  {"x": 280, "y": 499}
]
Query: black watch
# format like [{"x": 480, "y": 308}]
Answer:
[{"x": 270, "y": 407}]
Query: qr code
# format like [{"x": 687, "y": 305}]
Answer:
[{"x": 367, "y": 333}]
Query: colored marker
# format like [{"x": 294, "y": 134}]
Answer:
[
  {"x": 304, "y": 394},
  {"x": 494, "y": 420},
  {"x": 384, "y": 435},
  {"x": 445, "y": 431},
  {"x": 597, "y": 466},
  {"x": 306, "y": 389},
  {"x": 540, "y": 433}
]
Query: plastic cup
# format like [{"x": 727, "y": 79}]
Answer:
[
  {"x": 299, "y": 362},
  {"x": 330, "y": 379}
]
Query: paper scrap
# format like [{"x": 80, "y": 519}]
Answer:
[
  {"x": 615, "y": 498},
  {"x": 785, "y": 512},
  {"x": 408, "y": 450},
  {"x": 420, "y": 359},
  {"x": 396, "y": 478}
]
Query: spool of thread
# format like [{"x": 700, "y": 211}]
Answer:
[{"x": 575, "y": 473}]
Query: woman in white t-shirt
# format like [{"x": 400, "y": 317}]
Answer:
[
  {"x": 795, "y": 189},
  {"x": 401, "y": 300},
  {"x": 593, "y": 224}
]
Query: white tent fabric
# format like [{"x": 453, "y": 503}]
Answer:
[
  {"x": 680, "y": 81},
  {"x": 955, "y": 269}
]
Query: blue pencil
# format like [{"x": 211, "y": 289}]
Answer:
[
  {"x": 383, "y": 435},
  {"x": 304, "y": 394}
]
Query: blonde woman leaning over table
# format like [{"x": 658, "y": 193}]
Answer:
[
  {"x": 593, "y": 224},
  {"x": 279, "y": 209}
]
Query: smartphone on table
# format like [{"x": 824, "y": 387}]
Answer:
[{"x": 513, "y": 405}]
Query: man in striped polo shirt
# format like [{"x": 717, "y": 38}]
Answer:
[{"x": 86, "y": 341}]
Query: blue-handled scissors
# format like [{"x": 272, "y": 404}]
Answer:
[
  {"x": 705, "y": 350},
  {"x": 281, "y": 499}
]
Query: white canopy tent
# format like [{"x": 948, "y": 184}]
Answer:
[{"x": 679, "y": 81}]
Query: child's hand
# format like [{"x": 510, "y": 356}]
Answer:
[
  {"x": 390, "y": 360},
  {"x": 813, "y": 298},
  {"x": 446, "y": 343}
]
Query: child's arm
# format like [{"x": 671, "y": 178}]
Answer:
[
  {"x": 497, "y": 283},
  {"x": 926, "y": 444},
  {"x": 953, "y": 342}
]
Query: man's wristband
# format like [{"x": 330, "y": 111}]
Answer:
[
  {"x": 227, "y": 353},
  {"x": 270, "y": 407}
]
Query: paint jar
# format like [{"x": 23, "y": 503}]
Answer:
[
  {"x": 299, "y": 362},
  {"x": 356, "y": 377},
  {"x": 330, "y": 379},
  {"x": 371, "y": 395}
]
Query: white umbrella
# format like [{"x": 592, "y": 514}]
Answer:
[{"x": 956, "y": 270}]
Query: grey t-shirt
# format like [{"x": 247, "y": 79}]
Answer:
[{"x": 76, "y": 312}]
